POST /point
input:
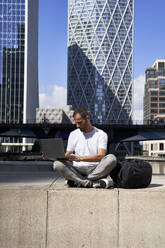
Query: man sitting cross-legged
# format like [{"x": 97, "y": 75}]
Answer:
[{"x": 88, "y": 164}]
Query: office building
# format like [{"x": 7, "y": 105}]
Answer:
[
  {"x": 154, "y": 93},
  {"x": 154, "y": 105},
  {"x": 100, "y": 58},
  {"x": 18, "y": 60}
]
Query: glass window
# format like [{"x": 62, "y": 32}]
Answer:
[
  {"x": 162, "y": 93},
  {"x": 154, "y": 99},
  {"x": 161, "y": 72},
  {"x": 161, "y": 81},
  {"x": 162, "y": 111},
  {"x": 154, "y": 111},
  {"x": 161, "y": 65},
  {"x": 151, "y": 73},
  {"x": 154, "y": 93},
  {"x": 161, "y": 146},
  {"x": 162, "y": 105},
  {"x": 162, "y": 99},
  {"x": 154, "y": 105},
  {"x": 152, "y": 82}
]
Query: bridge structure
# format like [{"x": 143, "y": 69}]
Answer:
[{"x": 116, "y": 132}]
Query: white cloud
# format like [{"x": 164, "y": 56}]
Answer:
[
  {"x": 53, "y": 96},
  {"x": 138, "y": 98}
]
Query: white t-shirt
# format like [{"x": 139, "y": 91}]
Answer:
[{"x": 84, "y": 144}]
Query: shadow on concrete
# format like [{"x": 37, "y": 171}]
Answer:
[
  {"x": 153, "y": 185},
  {"x": 158, "y": 174},
  {"x": 27, "y": 178}
]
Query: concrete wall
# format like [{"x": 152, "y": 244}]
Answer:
[
  {"x": 79, "y": 219},
  {"x": 86, "y": 218},
  {"x": 142, "y": 219},
  {"x": 23, "y": 218}
]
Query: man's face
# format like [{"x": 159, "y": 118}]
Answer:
[{"x": 81, "y": 123}]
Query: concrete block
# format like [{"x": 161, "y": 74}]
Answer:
[
  {"x": 23, "y": 218},
  {"x": 141, "y": 218},
  {"x": 82, "y": 218}
]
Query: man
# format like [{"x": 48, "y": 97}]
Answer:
[{"x": 87, "y": 147}]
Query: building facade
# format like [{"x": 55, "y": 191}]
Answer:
[
  {"x": 18, "y": 60},
  {"x": 55, "y": 115},
  {"x": 100, "y": 58},
  {"x": 154, "y": 93},
  {"x": 155, "y": 148},
  {"x": 154, "y": 105}
]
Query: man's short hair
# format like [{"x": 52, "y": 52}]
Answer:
[{"x": 82, "y": 111}]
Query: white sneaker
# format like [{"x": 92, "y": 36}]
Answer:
[{"x": 103, "y": 183}]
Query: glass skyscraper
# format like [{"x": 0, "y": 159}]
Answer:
[
  {"x": 18, "y": 60},
  {"x": 100, "y": 58}
]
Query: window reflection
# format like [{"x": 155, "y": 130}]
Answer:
[{"x": 12, "y": 35}]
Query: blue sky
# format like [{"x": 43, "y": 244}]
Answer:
[
  {"x": 52, "y": 42},
  {"x": 149, "y": 45},
  {"x": 149, "y": 34}
]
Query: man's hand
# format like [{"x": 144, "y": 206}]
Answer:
[
  {"x": 89, "y": 158},
  {"x": 73, "y": 157}
]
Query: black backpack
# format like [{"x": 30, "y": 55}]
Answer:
[{"x": 132, "y": 174}]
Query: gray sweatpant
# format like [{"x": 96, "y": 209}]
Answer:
[{"x": 83, "y": 174}]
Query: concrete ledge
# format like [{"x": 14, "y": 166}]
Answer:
[
  {"x": 57, "y": 216},
  {"x": 142, "y": 218},
  {"x": 23, "y": 218},
  {"x": 83, "y": 218}
]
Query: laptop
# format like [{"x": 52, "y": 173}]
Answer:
[{"x": 53, "y": 149}]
